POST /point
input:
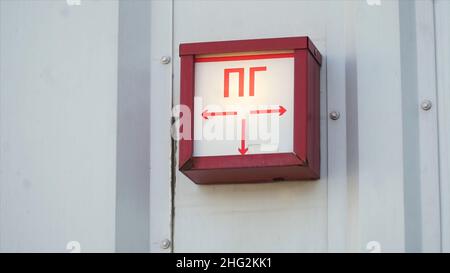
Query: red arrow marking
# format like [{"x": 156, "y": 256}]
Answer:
[
  {"x": 280, "y": 110},
  {"x": 243, "y": 150},
  {"x": 207, "y": 114}
]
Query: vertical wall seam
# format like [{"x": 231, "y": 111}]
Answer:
[
  {"x": 132, "y": 221},
  {"x": 437, "y": 125},
  {"x": 326, "y": 141},
  {"x": 410, "y": 135},
  {"x": 352, "y": 132},
  {"x": 174, "y": 148}
]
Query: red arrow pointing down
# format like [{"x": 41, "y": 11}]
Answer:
[
  {"x": 206, "y": 114},
  {"x": 281, "y": 110},
  {"x": 243, "y": 150}
]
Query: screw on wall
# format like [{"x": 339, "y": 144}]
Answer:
[
  {"x": 165, "y": 59},
  {"x": 165, "y": 244},
  {"x": 426, "y": 105},
  {"x": 335, "y": 115}
]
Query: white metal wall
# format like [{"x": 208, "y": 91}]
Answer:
[
  {"x": 385, "y": 176},
  {"x": 58, "y": 91},
  {"x": 380, "y": 180}
]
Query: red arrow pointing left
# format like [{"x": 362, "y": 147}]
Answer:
[
  {"x": 243, "y": 149},
  {"x": 206, "y": 114}
]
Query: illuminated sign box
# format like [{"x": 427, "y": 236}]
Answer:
[{"x": 254, "y": 110}]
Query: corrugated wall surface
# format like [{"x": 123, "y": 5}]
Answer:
[{"x": 385, "y": 176}]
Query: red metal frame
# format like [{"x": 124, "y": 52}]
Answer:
[{"x": 304, "y": 162}]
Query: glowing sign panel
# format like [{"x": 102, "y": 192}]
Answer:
[{"x": 244, "y": 104}]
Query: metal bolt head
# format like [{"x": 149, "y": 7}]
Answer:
[
  {"x": 335, "y": 115},
  {"x": 165, "y": 59},
  {"x": 426, "y": 105},
  {"x": 165, "y": 244}
]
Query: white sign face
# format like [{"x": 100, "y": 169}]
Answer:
[{"x": 244, "y": 104}]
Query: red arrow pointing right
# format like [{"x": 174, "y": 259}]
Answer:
[{"x": 280, "y": 110}]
